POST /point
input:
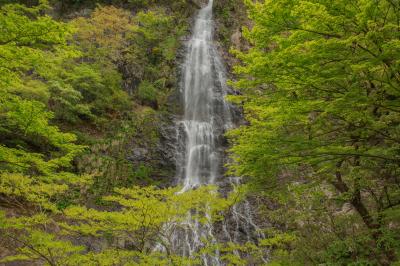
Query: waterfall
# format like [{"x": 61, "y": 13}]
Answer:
[
  {"x": 205, "y": 116},
  {"x": 205, "y": 110},
  {"x": 201, "y": 142}
]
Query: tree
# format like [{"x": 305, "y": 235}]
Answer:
[
  {"x": 33, "y": 153},
  {"x": 320, "y": 90},
  {"x": 150, "y": 57},
  {"x": 148, "y": 218}
]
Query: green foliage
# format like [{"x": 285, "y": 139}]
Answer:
[
  {"x": 320, "y": 90},
  {"x": 143, "y": 172},
  {"x": 91, "y": 90},
  {"x": 150, "y": 57},
  {"x": 41, "y": 246},
  {"x": 147, "y": 92},
  {"x": 100, "y": 89},
  {"x": 102, "y": 35},
  {"x": 145, "y": 219},
  {"x": 34, "y": 155},
  {"x": 30, "y": 49},
  {"x": 58, "y": 194},
  {"x": 147, "y": 207},
  {"x": 108, "y": 160},
  {"x": 231, "y": 16}
]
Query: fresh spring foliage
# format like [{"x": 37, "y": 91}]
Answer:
[
  {"x": 34, "y": 154},
  {"x": 147, "y": 218},
  {"x": 69, "y": 198},
  {"x": 321, "y": 90}
]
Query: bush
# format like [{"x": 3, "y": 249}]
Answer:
[{"x": 147, "y": 92}]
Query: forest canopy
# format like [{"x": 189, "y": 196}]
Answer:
[
  {"x": 85, "y": 93},
  {"x": 321, "y": 88}
]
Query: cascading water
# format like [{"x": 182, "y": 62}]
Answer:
[
  {"x": 200, "y": 138},
  {"x": 205, "y": 115},
  {"x": 205, "y": 110}
]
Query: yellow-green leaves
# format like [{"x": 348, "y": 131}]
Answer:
[
  {"x": 321, "y": 91},
  {"x": 23, "y": 41},
  {"x": 146, "y": 218},
  {"x": 45, "y": 248},
  {"x": 30, "y": 176},
  {"x": 103, "y": 34},
  {"x": 147, "y": 208}
]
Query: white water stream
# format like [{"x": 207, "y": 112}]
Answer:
[
  {"x": 200, "y": 137},
  {"x": 205, "y": 111}
]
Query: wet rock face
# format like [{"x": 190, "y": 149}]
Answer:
[
  {"x": 199, "y": 3},
  {"x": 167, "y": 150},
  {"x": 167, "y": 144},
  {"x": 157, "y": 156},
  {"x": 138, "y": 154}
]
